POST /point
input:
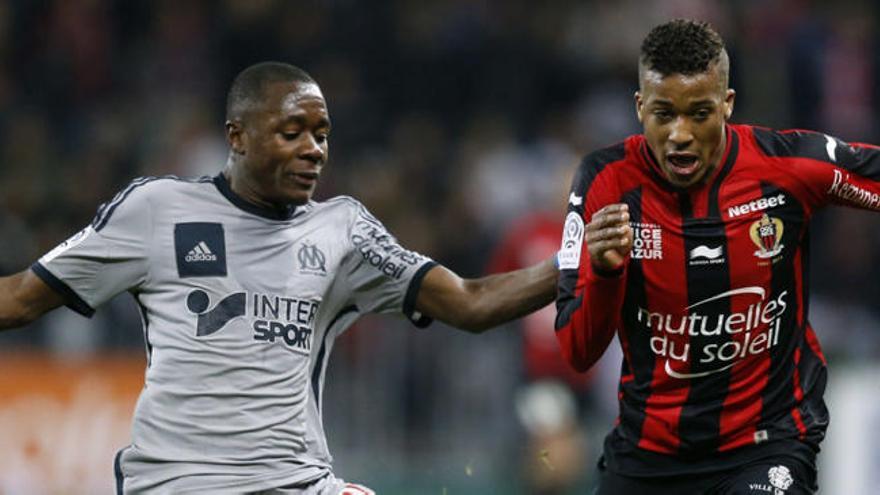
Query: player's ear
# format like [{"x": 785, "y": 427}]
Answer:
[
  {"x": 235, "y": 136},
  {"x": 640, "y": 107},
  {"x": 729, "y": 99}
]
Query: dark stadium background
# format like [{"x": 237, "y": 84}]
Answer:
[{"x": 451, "y": 120}]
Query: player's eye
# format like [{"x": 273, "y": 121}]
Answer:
[
  {"x": 290, "y": 136},
  {"x": 702, "y": 114},
  {"x": 663, "y": 114},
  {"x": 322, "y": 137}
]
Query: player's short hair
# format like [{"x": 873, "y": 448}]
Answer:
[
  {"x": 682, "y": 46},
  {"x": 248, "y": 86}
]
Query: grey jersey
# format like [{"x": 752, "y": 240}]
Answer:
[{"x": 240, "y": 308}]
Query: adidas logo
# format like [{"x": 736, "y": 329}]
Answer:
[{"x": 201, "y": 252}]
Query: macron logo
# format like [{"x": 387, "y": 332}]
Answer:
[{"x": 201, "y": 252}]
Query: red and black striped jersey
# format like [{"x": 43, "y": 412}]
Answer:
[{"x": 711, "y": 307}]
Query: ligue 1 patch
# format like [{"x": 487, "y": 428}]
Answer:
[
  {"x": 766, "y": 233},
  {"x": 200, "y": 249},
  {"x": 75, "y": 240},
  {"x": 572, "y": 241}
]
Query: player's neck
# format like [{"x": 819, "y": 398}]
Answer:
[
  {"x": 717, "y": 157},
  {"x": 245, "y": 190}
]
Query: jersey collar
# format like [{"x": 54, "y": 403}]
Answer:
[{"x": 271, "y": 213}]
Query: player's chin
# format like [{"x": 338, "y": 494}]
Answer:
[
  {"x": 296, "y": 190},
  {"x": 684, "y": 180},
  {"x": 297, "y": 195}
]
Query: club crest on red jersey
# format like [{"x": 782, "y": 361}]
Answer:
[{"x": 766, "y": 233}]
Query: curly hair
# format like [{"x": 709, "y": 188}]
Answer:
[{"x": 681, "y": 46}]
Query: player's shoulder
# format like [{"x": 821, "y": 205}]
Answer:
[
  {"x": 597, "y": 160},
  {"x": 344, "y": 207},
  {"x": 341, "y": 201},
  {"x": 604, "y": 161},
  {"x": 350, "y": 215},
  {"x": 337, "y": 205},
  {"x": 790, "y": 143},
  {"x": 143, "y": 192},
  {"x": 164, "y": 184}
]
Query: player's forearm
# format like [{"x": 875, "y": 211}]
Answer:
[
  {"x": 13, "y": 313},
  {"x": 24, "y": 298},
  {"x": 497, "y": 299}
]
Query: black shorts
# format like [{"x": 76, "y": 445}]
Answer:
[{"x": 780, "y": 475}]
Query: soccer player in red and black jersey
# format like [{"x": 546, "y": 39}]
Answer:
[{"x": 695, "y": 251}]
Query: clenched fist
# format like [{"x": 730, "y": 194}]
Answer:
[{"x": 609, "y": 237}]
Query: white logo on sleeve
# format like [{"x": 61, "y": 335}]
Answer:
[
  {"x": 201, "y": 252},
  {"x": 575, "y": 200},
  {"x": 831, "y": 147},
  {"x": 572, "y": 241},
  {"x": 74, "y": 241},
  {"x": 849, "y": 192}
]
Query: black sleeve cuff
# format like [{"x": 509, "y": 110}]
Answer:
[
  {"x": 73, "y": 301},
  {"x": 608, "y": 273},
  {"x": 412, "y": 293}
]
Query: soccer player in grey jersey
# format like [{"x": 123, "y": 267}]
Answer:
[{"x": 244, "y": 282}]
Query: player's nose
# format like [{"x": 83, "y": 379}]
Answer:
[
  {"x": 312, "y": 150},
  {"x": 680, "y": 134}
]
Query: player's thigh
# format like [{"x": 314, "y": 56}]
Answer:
[{"x": 783, "y": 476}]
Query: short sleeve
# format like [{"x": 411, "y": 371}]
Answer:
[
  {"x": 383, "y": 276},
  {"x": 107, "y": 257}
]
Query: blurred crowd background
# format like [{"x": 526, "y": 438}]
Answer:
[{"x": 458, "y": 123}]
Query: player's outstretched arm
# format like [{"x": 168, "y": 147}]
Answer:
[
  {"x": 24, "y": 298},
  {"x": 478, "y": 304}
]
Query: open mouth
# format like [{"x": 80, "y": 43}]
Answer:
[{"x": 682, "y": 163}]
